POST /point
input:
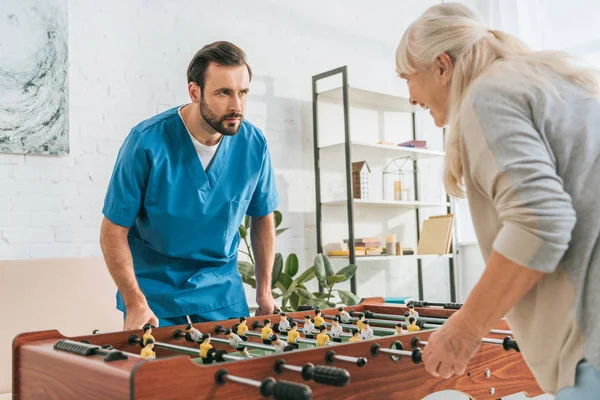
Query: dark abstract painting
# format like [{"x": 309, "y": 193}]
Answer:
[{"x": 34, "y": 117}]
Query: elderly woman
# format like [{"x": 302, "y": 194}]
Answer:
[{"x": 524, "y": 145}]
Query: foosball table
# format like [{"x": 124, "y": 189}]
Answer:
[{"x": 379, "y": 361}]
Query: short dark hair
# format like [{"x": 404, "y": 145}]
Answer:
[
  {"x": 242, "y": 318},
  {"x": 147, "y": 327},
  {"x": 267, "y": 321},
  {"x": 322, "y": 328},
  {"x": 222, "y": 53},
  {"x": 293, "y": 324},
  {"x": 411, "y": 320}
]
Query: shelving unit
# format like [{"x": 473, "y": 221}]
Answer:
[{"x": 344, "y": 96}]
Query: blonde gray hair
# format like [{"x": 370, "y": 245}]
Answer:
[{"x": 456, "y": 30}]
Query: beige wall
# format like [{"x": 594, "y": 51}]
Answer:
[{"x": 73, "y": 295}]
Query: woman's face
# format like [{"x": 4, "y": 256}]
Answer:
[{"x": 429, "y": 88}]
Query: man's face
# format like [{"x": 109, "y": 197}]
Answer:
[{"x": 223, "y": 100}]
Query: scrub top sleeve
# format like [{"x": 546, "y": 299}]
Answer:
[
  {"x": 128, "y": 182},
  {"x": 265, "y": 199}
]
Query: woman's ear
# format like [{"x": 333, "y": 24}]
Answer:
[{"x": 444, "y": 68}]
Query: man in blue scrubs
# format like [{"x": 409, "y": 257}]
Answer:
[{"x": 181, "y": 186}]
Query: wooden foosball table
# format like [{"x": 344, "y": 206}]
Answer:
[{"x": 47, "y": 365}]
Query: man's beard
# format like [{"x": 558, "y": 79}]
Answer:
[{"x": 220, "y": 124}]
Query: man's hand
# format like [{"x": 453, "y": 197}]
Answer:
[
  {"x": 450, "y": 348},
  {"x": 139, "y": 316},
  {"x": 266, "y": 305}
]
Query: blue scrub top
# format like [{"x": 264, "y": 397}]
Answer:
[{"x": 184, "y": 221}]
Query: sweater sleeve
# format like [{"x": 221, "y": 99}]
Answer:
[{"x": 511, "y": 163}]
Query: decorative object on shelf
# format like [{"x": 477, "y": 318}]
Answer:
[
  {"x": 436, "y": 235},
  {"x": 361, "y": 175},
  {"x": 390, "y": 245},
  {"x": 399, "y": 175}
]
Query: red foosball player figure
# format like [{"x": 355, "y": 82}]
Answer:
[
  {"x": 336, "y": 330},
  {"x": 308, "y": 327},
  {"x": 194, "y": 333},
  {"x": 242, "y": 329},
  {"x": 366, "y": 332},
  {"x": 147, "y": 334},
  {"x": 355, "y": 337},
  {"x": 266, "y": 331},
  {"x": 344, "y": 315},
  {"x": 206, "y": 349},
  {"x": 318, "y": 318},
  {"x": 147, "y": 352},
  {"x": 279, "y": 344},
  {"x": 360, "y": 321},
  {"x": 399, "y": 330},
  {"x": 284, "y": 324},
  {"x": 293, "y": 335},
  {"x": 323, "y": 337},
  {"x": 234, "y": 340},
  {"x": 412, "y": 327}
]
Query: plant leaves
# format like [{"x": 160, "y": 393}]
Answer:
[
  {"x": 275, "y": 294},
  {"x": 278, "y": 218},
  {"x": 305, "y": 294},
  {"x": 349, "y": 298},
  {"x": 348, "y": 271},
  {"x": 246, "y": 269},
  {"x": 320, "y": 295},
  {"x": 285, "y": 280},
  {"x": 249, "y": 281},
  {"x": 280, "y": 231},
  {"x": 306, "y": 276},
  {"x": 320, "y": 270},
  {"x": 294, "y": 301},
  {"x": 291, "y": 265},
  {"x": 335, "y": 279},
  {"x": 277, "y": 268},
  {"x": 247, "y": 220},
  {"x": 328, "y": 266},
  {"x": 243, "y": 232}
]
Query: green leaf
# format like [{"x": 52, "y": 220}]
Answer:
[
  {"x": 320, "y": 270},
  {"x": 291, "y": 265},
  {"x": 305, "y": 294},
  {"x": 348, "y": 271},
  {"x": 286, "y": 281},
  {"x": 275, "y": 294},
  {"x": 277, "y": 268},
  {"x": 243, "y": 232},
  {"x": 249, "y": 281},
  {"x": 306, "y": 276},
  {"x": 328, "y": 266},
  {"x": 280, "y": 231},
  {"x": 320, "y": 295},
  {"x": 294, "y": 301},
  {"x": 246, "y": 268},
  {"x": 247, "y": 220},
  {"x": 278, "y": 218},
  {"x": 335, "y": 279},
  {"x": 348, "y": 298}
]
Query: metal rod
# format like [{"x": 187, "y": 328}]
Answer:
[
  {"x": 395, "y": 352},
  {"x": 348, "y": 359},
  {"x": 435, "y": 320},
  {"x": 245, "y": 381},
  {"x": 251, "y": 345},
  {"x": 292, "y": 367},
  {"x": 232, "y": 357},
  {"x": 317, "y": 166},
  {"x": 501, "y": 332},
  {"x": 492, "y": 341}
]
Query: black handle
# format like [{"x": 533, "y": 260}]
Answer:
[
  {"x": 326, "y": 375},
  {"x": 510, "y": 344},
  {"x": 417, "y": 354},
  {"x": 414, "y": 342},
  {"x": 369, "y": 314},
  {"x": 219, "y": 329},
  {"x": 284, "y": 390}
]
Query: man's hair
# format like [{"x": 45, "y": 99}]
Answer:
[{"x": 223, "y": 53}]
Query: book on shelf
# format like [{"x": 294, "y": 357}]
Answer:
[{"x": 436, "y": 235}]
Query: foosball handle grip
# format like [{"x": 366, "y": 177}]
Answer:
[
  {"x": 326, "y": 375},
  {"x": 417, "y": 355},
  {"x": 284, "y": 390},
  {"x": 510, "y": 344}
]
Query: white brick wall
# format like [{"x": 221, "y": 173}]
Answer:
[{"x": 128, "y": 61}]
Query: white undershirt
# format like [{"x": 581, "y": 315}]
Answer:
[{"x": 205, "y": 153}]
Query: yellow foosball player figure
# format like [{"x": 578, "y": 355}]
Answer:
[
  {"x": 336, "y": 330},
  {"x": 194, "y": 333},
  {"x": 234, "y": 340},
  {"x": 242, "y": 329},
  {"x": 147, "y": 334},
  {"x": 360, "y": 321},
  {"x": 308, "y": 327},
  {"x": 280, "y": 345},
  {"x": 399, "y": 330},
  {"x": 318, "y": 318},
  {"x": 147, "y": 352},
  {"x": 323, "y": 337},
  {"x": 412, "y": 327},
  {"x": 293, "y": 335},
  {"x": 266, "y": 332},
  {"x": 344, "y": 315},
  {"x": 366, "y": 332},
  {"x": 206, "y": 349},
  {"x": 355, "y": 337}
]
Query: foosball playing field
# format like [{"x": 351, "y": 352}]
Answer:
[{"x": 372, "y": 350}]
